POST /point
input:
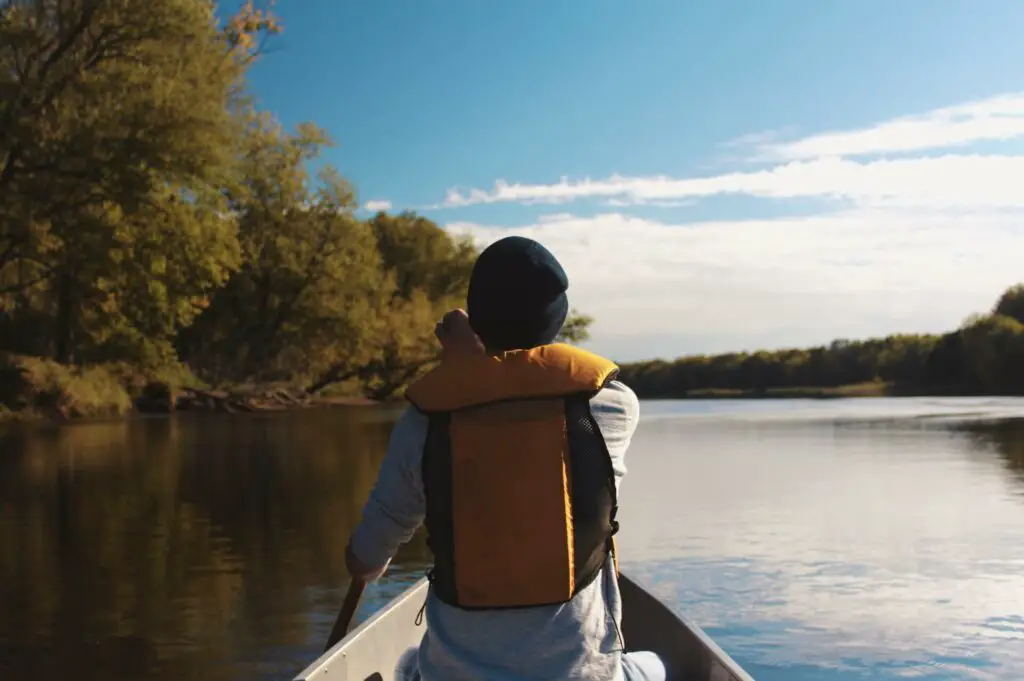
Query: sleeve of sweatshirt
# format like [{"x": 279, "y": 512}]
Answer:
[
  {"x": 617, "y": 412},
  {"x": 397, "y": 504}
]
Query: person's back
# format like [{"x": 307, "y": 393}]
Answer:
[
  {"x": 575, "y": 640},
  {"x": 512, "y": 457}
]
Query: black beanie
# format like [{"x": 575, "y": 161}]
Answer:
[{"x": 517, "y": 295}]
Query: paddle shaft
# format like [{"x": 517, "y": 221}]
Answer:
[{"x": 347, "y": 612}]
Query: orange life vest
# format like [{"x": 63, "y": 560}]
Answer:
[{"x": 520, "y": 490}]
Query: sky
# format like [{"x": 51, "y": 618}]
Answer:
[{"x": 714, "y": 177}]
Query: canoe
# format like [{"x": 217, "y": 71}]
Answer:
[{"x": 371, "y": 651}]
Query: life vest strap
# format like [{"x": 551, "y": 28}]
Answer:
[{"x": 556, "y": 370}]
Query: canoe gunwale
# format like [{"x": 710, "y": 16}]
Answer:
[
  {"x": 687, "y": 650},
  {"x": 333, "y": 664},
  {"x": 372, "y": 649},
  {"x": 363, "y": 627}
]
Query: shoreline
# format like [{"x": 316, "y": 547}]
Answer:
[
  {"x": 160, "y": 399},
  {"x": 187, "y": 401},
  {"x": 871, "y": 389},
  {"x": 249, "y": 401}
]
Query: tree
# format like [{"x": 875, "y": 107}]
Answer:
[
  {"x": 994, "y": 352},
  {"x": 576, "y": 329},
  {"x": 424, "y": 257},
  {"x": 1011, "y": 303},
  {"x": 904, "y": 359},
  {"x": 308, "y": 287},
  {"x": 117, "y": 139},
  {"x": 427, "y": 273}
]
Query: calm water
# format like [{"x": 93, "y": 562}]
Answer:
[{"x": 832, "y": 540}]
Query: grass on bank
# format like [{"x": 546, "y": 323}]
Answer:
[
  {"x": 33, "y": 388},
  {"x": 867, "y": 389}
]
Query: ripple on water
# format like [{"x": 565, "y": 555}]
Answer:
[
  {"x": 814, "y": 540},
  {"x": 852, "y": 626}
]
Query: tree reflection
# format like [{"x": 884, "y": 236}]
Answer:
[
  {"x": 1006, "y": 438},
  {"x": 164, "y": 548}
]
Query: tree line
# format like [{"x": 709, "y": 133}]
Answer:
[
  {"x": 984, "y": 356},
  {"x": 152, "y": 216}
]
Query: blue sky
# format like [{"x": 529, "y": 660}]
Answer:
[{"x": 714, "y": 176}]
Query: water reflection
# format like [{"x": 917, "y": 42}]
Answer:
[
  {"x": 179, "y": 548},
  {"x": 847, "y": 540},
  {"x": 1006, "y": 438}
]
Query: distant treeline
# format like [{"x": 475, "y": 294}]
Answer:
[
  {"x": 155, "y": 224},
  {"x": 984, "y": 356}
]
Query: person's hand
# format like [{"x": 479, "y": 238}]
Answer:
[{"x": 456, "y": 335}]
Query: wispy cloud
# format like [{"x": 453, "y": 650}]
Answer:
[
  {"x": 994, "y": 119},
  {"x": 658, "y": 288},
  {"x": 376, "y": 205},
  {"x": 946, "y": 181},
  {"x": 829, "y": 165}
]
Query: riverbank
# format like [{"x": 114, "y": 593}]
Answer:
[
  {"x": 160, "y": 398},
  {"x": 163, "y": 400},
  {"x": 40, "y": 390}
]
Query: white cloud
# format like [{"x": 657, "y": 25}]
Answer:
[
  {"x": 946, "y": 181},
  {"x": 821, "y": 166},
  {"x": 998, "y": 118},
  {"x": 659, "y": 289},
  {"x": 376, "y": 205}
]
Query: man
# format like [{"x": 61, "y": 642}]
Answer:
[{"x": 512, "y": 454}]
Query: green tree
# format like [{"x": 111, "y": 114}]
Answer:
[
  {"x": 1011, "y": 303},
  {"x": 576, "y": 329},
  {"x": 308, "y": 287},
  {"x": 994, "y": 351},
  {"x": 421, "y": 256},
  {"x": 904, "y": 359},
  {"x": 117, "y": 139},
  {"x": 426, "y": 271},
  {"x": 430, "y": 270}
]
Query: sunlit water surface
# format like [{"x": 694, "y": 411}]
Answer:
[{"x": 833, "y": 540}]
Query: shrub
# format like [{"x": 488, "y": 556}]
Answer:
[{"x": 45, "y": 388}]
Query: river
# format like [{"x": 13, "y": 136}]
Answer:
[{"x": 829, "y": 540}]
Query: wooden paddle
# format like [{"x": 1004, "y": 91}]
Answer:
[{"x": 347, "y": 612}]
